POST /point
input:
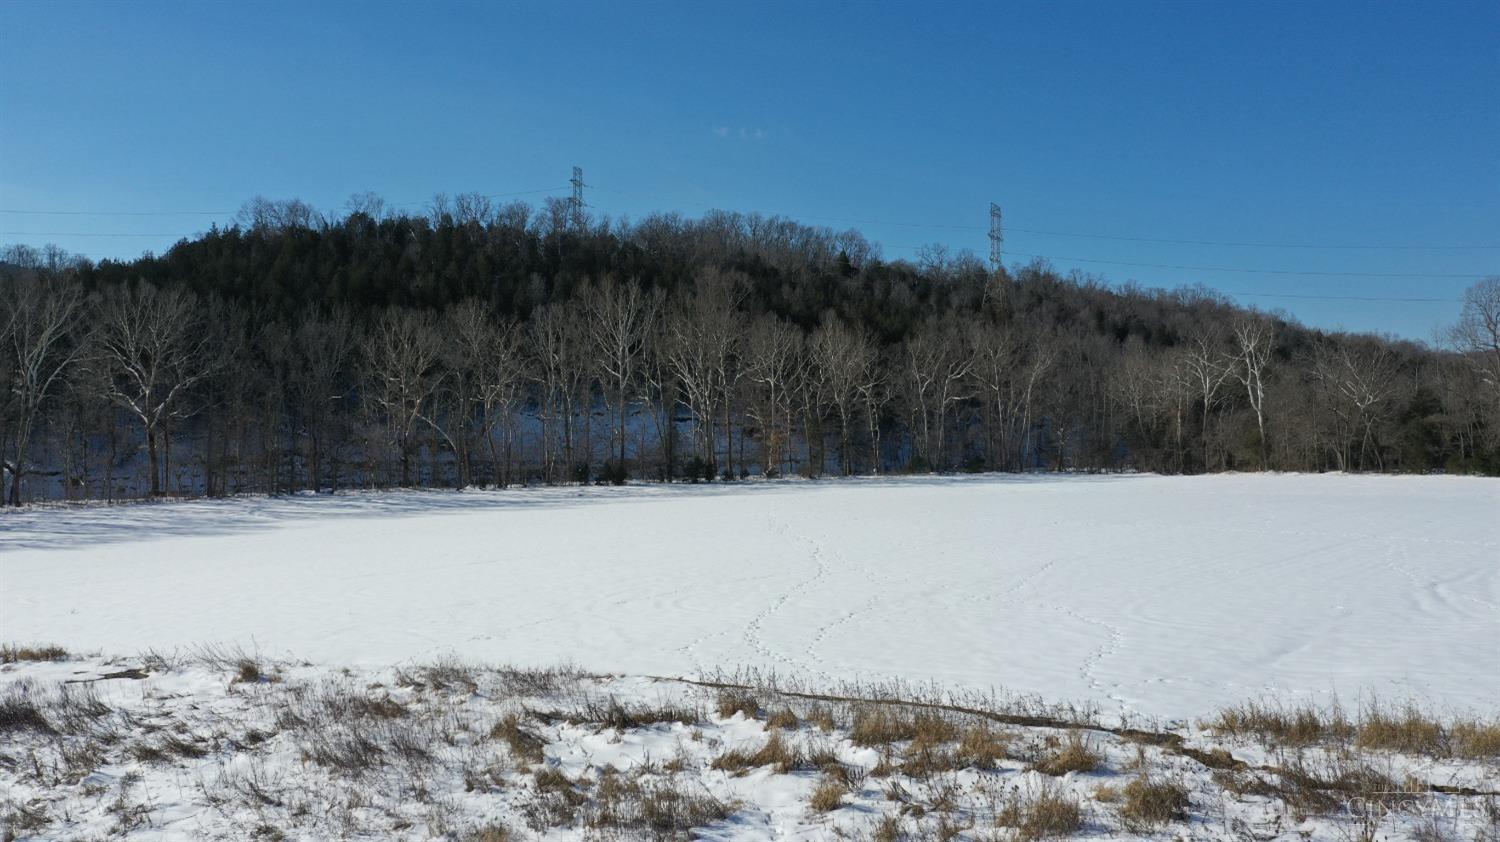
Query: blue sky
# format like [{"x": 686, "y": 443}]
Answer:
[{"x": 1343, "y": 124}]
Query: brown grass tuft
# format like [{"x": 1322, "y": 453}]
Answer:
[
  {"x": 14, "y": 654},
  {"x": 877, "y": 725},
  {"x": 1298, "y": 725},
  {"x": 1041, "y": 814},
  {"x": 776, "y": 753},
  {"x": 828, "y": 795},
  {"x": 1150, "y": 804},
  {"x": 526, "y": 746},
  {"x": 732, "y": 701},
  {"x": 783, "y": 718},
  {"x": 1476, "y": 740},
  {"x": 1408, "y": 730},
  {"x": 1073, "y": 755}
]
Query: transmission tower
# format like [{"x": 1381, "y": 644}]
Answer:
[
  {"x": 997, "y": 237},
  {"x": 575, "y": 206}
]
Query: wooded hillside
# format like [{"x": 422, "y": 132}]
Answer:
[{"x": 482, "y": 344}]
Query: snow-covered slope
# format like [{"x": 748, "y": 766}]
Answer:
[{"x": 1161, "y": 595}]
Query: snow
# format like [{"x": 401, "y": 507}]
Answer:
[{"x": 1163, "y": 596}]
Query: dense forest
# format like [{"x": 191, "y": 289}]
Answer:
[{"x": 482, "y": 344}]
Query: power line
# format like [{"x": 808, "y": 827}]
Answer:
[
  {"x": 1247, "y": 244},
  {"x": 1341, "y": 297},
  {"x": 1255, "y": 271},
  {"x": 942, "y": 226},
  {"x": 79, "y": 234},
  {"x": 232, "y": 212}
]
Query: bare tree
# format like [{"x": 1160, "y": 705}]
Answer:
[
  {"x": 845, "y": 356},
  {"x": 1254, "y": 339},
  {"x": 1358, "y": 375},
  {"x": 703, "y": 341},
  {"x": 618, "y": 316},
  {"x": 323, "y": 353},
  {"x": 489, "y": 366},
  {"x": 151, "y": 349},
  {"x": 938, "y": 363},
  {"x": 403, "y": 353},
  {"x": 773, "y": 357},
  {"x": 561, "y": 346},
  {"x": 40, "y": 318},
  {"x": 1207, "y": 368},
  {"x": 1477, "y": 337}
]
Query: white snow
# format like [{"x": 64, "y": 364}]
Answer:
[{"x": 1166, "y": 596}]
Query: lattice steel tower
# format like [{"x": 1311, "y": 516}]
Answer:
[
  {"x": 997, "y": 237},
  {"x": 575, "y": 205}
]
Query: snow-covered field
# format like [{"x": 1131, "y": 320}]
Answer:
[{"x": 1166, "y": 596}]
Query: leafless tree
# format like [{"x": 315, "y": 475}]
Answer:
[
  {"x": 845, "y": 356},
  {"x": 1477, "y": 337},
  {"x": 619, "y": 314},
  {"x": 1208, "y": 367},
  {"x": 152, "y": 349},
  {"x": 773, "y": 359},
  {"x": 1254, "y": 339},
  {"x": 323, "y": 354},
  {"x": 39, "y": 319},
  {"x": 704, "y": 341},
  {"x": 402, "y": 366},
  {"x": 938, "y": 364},
  {"x": 1358, "y": 375},
  {"x": 561, "y": 346},
  {"x": 489, "y": 367}
]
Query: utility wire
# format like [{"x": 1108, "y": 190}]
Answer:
[
  {"x": 231, "y": 212},
  {"x": 1253, "y": 271},
  {"x": 1008, "y": 228}
]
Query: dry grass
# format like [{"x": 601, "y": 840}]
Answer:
[
  {"x": 1041, "y": 814},
  {"x": 611, "y": 713},
  {"x": 1271, "y": 724},
  {"x": 167, "y": 748},
  {"x": 888, "y": 829},
  {"x": 982, "y": 746},
  {"x": 1073, "y": 754},
  {"x": 1408, "y": 730},
  {"x": 828, "y": 795},
  {"x": 1476, "y": 739},
  {"x": 489, "y": 833},
  {"x": 879, "y": 725},
  {"x": 660, "y": 809},
  {"x": 524, "y": 745},
  {"x": 10, "y": 654},
  {"x": 1149, "y": 804},
  {"x": 733, "y": 701},
  {"x": 777, "y": 753},
  {"x": 783, "y": 718},
  {"x": 820, "y": 717}
]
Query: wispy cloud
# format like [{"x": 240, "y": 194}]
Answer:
[{"x": 741, "y": 133}]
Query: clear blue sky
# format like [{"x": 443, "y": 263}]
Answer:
[{"x": 1360, "y": 123}]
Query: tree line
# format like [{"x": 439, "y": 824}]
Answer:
[{"x": 481, "y": 344}]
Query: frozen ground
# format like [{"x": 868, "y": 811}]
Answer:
[
  {"x": 1162, "y": 595},
  {"x": 223, "y": 748}
]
